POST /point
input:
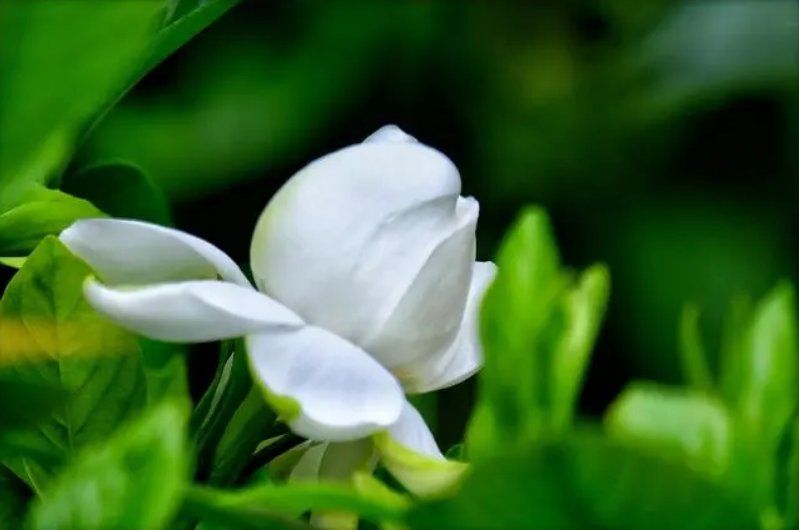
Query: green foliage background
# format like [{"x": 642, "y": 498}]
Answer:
[{"x": 660, "y": 136}]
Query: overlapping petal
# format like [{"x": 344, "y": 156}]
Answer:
[
  {"x": 193, "y": 311},
  {"x": 428, "y": 316},
  {"x": 132, "y": 252},
  {"x": 369, "y": 217},
  {"x": 326, "y": 388},
  {"x": 464, "y": 357}
]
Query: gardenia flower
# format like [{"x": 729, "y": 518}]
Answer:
[{"x": 367, "y": 289}]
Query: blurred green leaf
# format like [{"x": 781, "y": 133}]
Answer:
[
  {"x": 133, "y": 481},
  {"x": 707, "y": 49},
  {"x": 516, "y": 314},
  {"x": 761, "y": 380},
  {"x": 696, "y": 371},
  {"x": 14, "y": 497},
  {"x": 787, "y": 479},
  {"x": 456, "y": 452},
  {"x": 50, "y": 336},
  {"x": 59, "y": 62},
  {"x": 584, "y": 306},
  {"x": 43, "y": 212},
  {"x": 688, "y": 425},
  {"x": 270, "y": 506},
  {"x": 14, "y": 263},
  {"x": 120, "y": 189},
  {"x": 765, "y": 376},
  {"x": 584, "y": 482}
]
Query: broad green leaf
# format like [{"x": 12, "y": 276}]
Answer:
[
  {"x": 59, "y": 63},
  {"x": 584, "y": 481},
  {"x": 165, "y": 371},
  {"x": 584, "y": 307},
  {"x": 685, "y": 424},
  {"x": 120, "y": 189},
  {"x": 516, "y": 319},
  {"x": 271, "y": 506},
  {"x": 696, "y": 371},
  {"x": 43, "y": 212},
  {"x": 180, "y": 8},
  {"x": 133, "y": 481},
  {"x": 14, "y": 497},
  {"x": 50, "y": 336}
]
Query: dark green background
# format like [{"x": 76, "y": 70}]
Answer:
[{"x": 661, "y": 135}]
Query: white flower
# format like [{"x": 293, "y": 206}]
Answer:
[{"x": 367, "y": 289}]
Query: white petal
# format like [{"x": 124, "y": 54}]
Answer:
[
  {"x": 464, "y": 357},
  {"x": 412, "y": 432},
  {"x": 427, "y": 318},
  {"x": 137, "y": 253},
  {"x": 194, "y": 311},
  {"x": 326, "y": 388},
  {"x": 390, "y": 133},
  {"x": 411, "y": 454},
  {"x": 342, "y": 241}
]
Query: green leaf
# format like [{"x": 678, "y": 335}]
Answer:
[
  {"x": 120, "y": 189},
  {"x": 134, "y": 480},
  {"x": 584, "y": 307},
  {"x": 14, "y": 263},
  {"x": 179, "y": 31},
  {"x": 165, "y": 371},
  {"x": 14, "y": 497},
  {"x": 684, "y": 424},
  {"x": 50, "y": 336},
  {"x": 44, "y": 212},
  {"x": 584, "y": 481},
  {"x": 233, "y": 386},
  {"x": 761, "y": 379},
  {"x": 40, "y": 401},
  {"x": 696, "y": 371},
  {"x": 516, "y": 315},
  {"x": 250, "y": 424},
  {"x": 787, "y": 475},
  {"x": 270, "y": 506},
  {"x": 703, "y": 50},
  {"x": 767, "y": 383},
  {"x": 59, "y": 63}
]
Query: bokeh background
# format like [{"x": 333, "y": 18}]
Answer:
[{"x": 661, "y": 135}]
